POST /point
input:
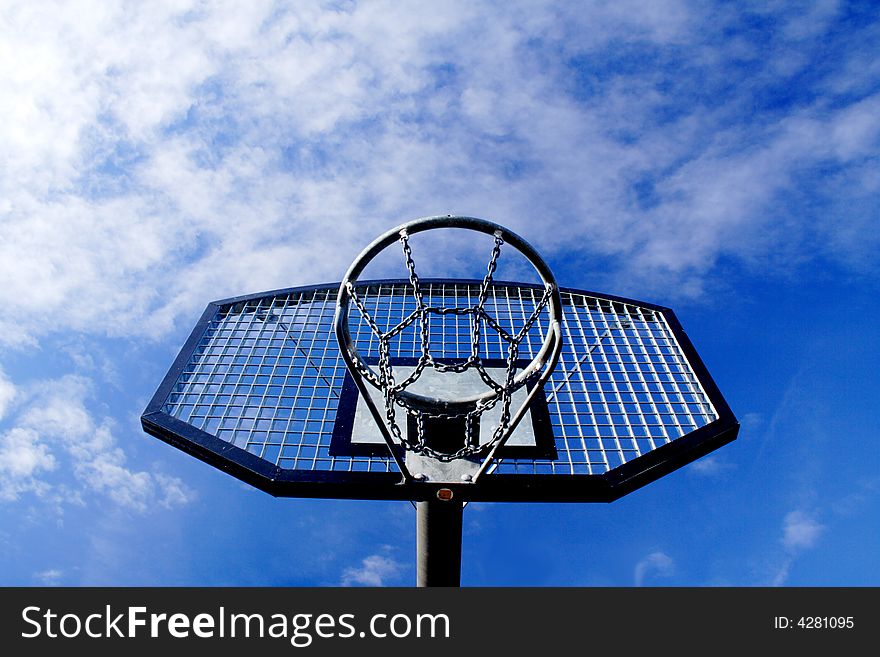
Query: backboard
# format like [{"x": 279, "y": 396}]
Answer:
[{"x": 261, "y": 391}]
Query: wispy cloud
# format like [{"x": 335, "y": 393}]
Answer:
[
  {"x": 711, "y": 466},
  {"x": 205, "y": 151},
  {"x": 375, "y": 570},
  {"x": 800, "y": 531},
  {"x": 23, "y": 461},
  {"x": 7, "y": 393},
  {"x": 51, "y": 577},
  {"x": 656, "y": 564},
  {"x": 54, "y": 427}
]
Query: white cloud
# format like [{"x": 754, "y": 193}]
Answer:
[
  {"x": 56, "y": 428},
  {"x": 203, "y": 151},
  {"x": 57, "y": 408},
  {"x": 104, "y": 473},
  {"x": 800, "y": 531},
  {"x": 7, "y": 393},
  {"x": 711, "y": 466},
  {"x": 49, "y": 577},
  {"x": 814, "y": 21},
  {"x": 23, "y": 460},
  {"x": 171, "y": 491},
  {"x": 782, "y": 572},
  {"x": 375, "y": 570},
  {"x": 751, "y": 421},
  {"x": 656, "y": 564}
]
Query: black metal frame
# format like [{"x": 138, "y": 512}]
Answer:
[{"x": 282, "y": 482}]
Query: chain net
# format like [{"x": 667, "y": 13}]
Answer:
[{"x": 385, "y": 379}]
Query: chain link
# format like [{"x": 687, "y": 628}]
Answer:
[{"x": 476, "y": 323}]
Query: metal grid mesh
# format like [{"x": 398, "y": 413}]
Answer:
[{"x": 266, "y": 374}]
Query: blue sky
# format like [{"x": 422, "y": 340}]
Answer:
[{"x": 719, "y": 158}]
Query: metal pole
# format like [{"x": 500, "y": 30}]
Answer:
[{"x": 438, "y": 542}]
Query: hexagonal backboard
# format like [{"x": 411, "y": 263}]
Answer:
[{"x": 260, "y": 390}]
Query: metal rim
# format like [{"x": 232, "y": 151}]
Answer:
[{"x": 546, "y": 357}]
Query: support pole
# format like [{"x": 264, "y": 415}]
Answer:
[{"x": 438, "y": 542}]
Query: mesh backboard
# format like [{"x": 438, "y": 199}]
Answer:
[{"x": 260, "y": 390}]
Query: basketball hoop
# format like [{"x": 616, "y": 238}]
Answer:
[{"x": 495, "y": 409}]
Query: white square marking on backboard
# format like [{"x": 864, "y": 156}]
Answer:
[{"x": 445, "y": 385}]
